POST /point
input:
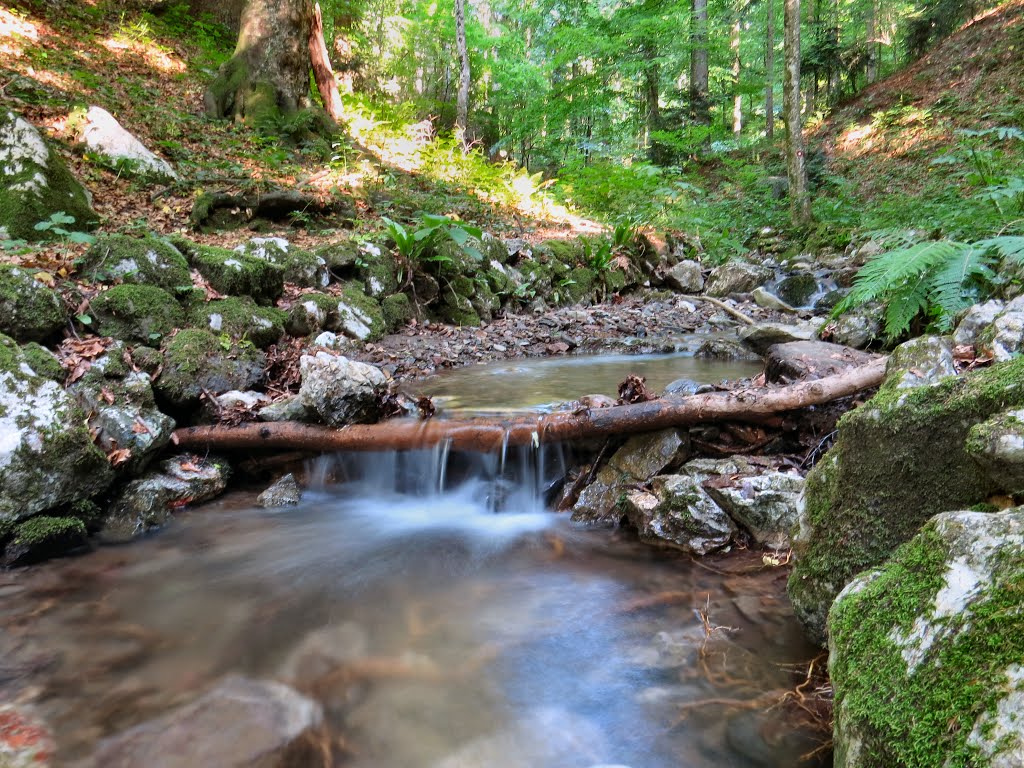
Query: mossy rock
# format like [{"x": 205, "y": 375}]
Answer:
[
  {"x": 141, "y": 313},
  {"x": 458, "y": 310},
  {"x": 341, "y": 256},
  {"x": 379, "y": 274},
  {"x": 47, "y": 458},
  {"x": 449, "y": 261},
  {"x": 494, "y": 249},
  {"x": 898, "y": 460},
  {"x": 197, "y": 362},
  {"x": 234, "y": 274},
  {"x": 614, "y": 280},
  {"x": 241, "y": 319},
  {"x": 36, "y": 183},
  {"x": 484, "y": 302},
  {"x": 398, "y": 311},
  {"x": 567, "y": 253},
  {"x": 580, "y": 286},
  {"x": 139, "y": 260},
  {"x": 302, "y": 268},
  {"x": 29, "y": 309},
  {"x": 498, "y": 279},
  {"x": 147, "y": 359},
  {"x": 310, "y": 314},
  {"x": 925, "y": 652},
  {"x": 43, "y": 362},
  {"x": 357, "y": 315},
  {"x": 39, "y": 538}
]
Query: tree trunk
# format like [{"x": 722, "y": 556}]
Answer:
[
  {"x": 737, "y": 98},
  {"x": 700, "y": 106},
  {"x": 800, "y": 203},
  {"x": 769, "y": 68},
  {"x": 872, "y": 45},
  {"x": 269, "y": 71},
  {"x": 462, "y": 103},
  {"x": 490, "y": 435},
  {"x": 652, "y": 97},
  {"x": 322, "y": 71}
]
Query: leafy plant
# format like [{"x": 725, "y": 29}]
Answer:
[
  {"x": 55, "y": 225},
  {"x": 421, "y": 242},
  {"x": 937, "y": 279}
]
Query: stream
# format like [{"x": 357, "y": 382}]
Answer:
[{"x": 477, "y": 629}]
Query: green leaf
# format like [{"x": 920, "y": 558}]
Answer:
[
  {"x": 459, "y": 235},
  {"x": 84, "y": 319}
]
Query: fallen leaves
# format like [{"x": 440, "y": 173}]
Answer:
[
  {"x": 77, "y": 355},
  {"x": 634, "y": 390}
]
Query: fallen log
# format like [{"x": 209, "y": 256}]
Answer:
[{"x": 492, "y": 434}]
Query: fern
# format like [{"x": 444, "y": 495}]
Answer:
[{"x": 937, "y": 280}]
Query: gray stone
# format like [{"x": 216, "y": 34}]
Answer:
[
  {"x": 103, "y": 135},
  {"x": 148, "y": 503},
  {"x": 931, "y": 632},
  {"x": 123, "y": 416},
  {"x": 341, "y": 391},
  {"x": 241, "y": 723},
  {"x": 1004, "y": 337},
  {"x": 765, "y": 298},
  {"x": 680, "y": 513},
  {"x": 682, "y": 387},
  {"x": 724, "y": 349},
  {"x": 323, "y": 651},
  {"x": 47, "y": 456},
  {"x": 858, "y": 327},
  {"x": 920, "y": 362},
  {"x": 196, "y": 363},
  {"x": 300, "y": 267},
  {"x": 36, "y": 183},
  {"x": 29, "y": 309},
  {"x": 685, "y": 277},
  {"x": 997, "y": 445},
  {"x": 306, "y": 318},
  {"x": 797, "y": 290},
  {"x": 146, "y": 260},
  {"x": 765, "y": 505},
  {"x": 762, "y": 335},
  {"x": 975, "y": 320},
  {"x": 284, "y": 493},
  {"x": 806, "y": 360},
  {"x": 287, "y": 409},
  {"x": 242, "y": 400},
  {"x": 736, "y": 277}
]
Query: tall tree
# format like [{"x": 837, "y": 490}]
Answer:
[
  {"x": 737, "y": 97},
  {"x": 462, "y": 101},
  {"x": 269, "y": 71},
  {"x": 700, "y": 104},
  {"x": 800, "y": 202},
  {"x": 769, "y": 70}
]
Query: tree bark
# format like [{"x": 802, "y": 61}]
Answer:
[
  {"x": 269, "y": 71},
  {"x": 462, "y": 102},
  {"x": 769, "y": 68},
  {"x": 872, "y": 44},
  {"x": 700, "y": 106},
  {"x": 489, "y": 435},
  {"x": 322, "y": 71},
  {"x": 737, "y": 98},
  {"x": 800, "y": 203}
]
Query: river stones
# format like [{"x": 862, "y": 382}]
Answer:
[
  {"x": 680, "y": 513},
  {"x": 686, "y": 277},
  {"x": 148, "y": 260},
  {"x": 763, "y": 335},
  {"x": 857, "y": 328},
  {"x": 284, "y": 493},
  {"x": 1003, "y": 338},
  {"x": 921, "y": 362},
  {"x": 805, "y": 360},
  {"x": 341, "y": 391},
  {"x": 196, "y": 363},
  {"x": 240, "y": 723},
  {"x": 29, "y": 309},
  {"x": 736, "y": 277},
  {"x": 997, "y": 445},
  {"x": 926, "y": 651},
  {"x": 767, "y": 505}
]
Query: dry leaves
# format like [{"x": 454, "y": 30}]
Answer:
[{"x": 76, "y": 356}]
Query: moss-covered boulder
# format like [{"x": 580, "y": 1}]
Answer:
[
  {"x": 310, "y": 314},
  {"x": 197, "y": 362},
  {"x": 235, "y": 274},
  {"x": 146, "y": 260},
  {"x": 240, "y": 318},
  {"x": 43, "y": 362},
  {"x": 36, "y": 183},
  {"x": 899, "y": 459},
  {"x": 305, "y": 269},
  {"x": 142, "y": 313},
  {"x": 47, "y": 456},
  {"x": 398, "y": 311},
  {"x": 356, "y": 315},
  {"x": 581, "y": 286},
  {"x": 927, "y": 652},
  {"x": 42, "y": 537},
  {"x": 29, "y": 309},
  {"x": 379, "y": 273}
]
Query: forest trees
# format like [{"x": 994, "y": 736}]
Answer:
[{"x": 796, "y": 168}]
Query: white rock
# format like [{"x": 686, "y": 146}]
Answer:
[{"x": 105, "y": 136}]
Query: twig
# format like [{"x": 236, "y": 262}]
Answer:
[{"x": 721, "y": 305}]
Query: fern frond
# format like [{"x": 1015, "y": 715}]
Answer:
[
  {"x": 1007, "y": 246},
  {"x": 904, "y": 305},
  {"x": 953, "y": 285},
  {"x": 891, "y": 272}
]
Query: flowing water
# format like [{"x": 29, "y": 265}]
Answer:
[{"x": 473, "y": 627}]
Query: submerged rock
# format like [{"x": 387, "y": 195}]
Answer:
[
  {"x": 899, "y": 459},
  {"x": 240, "y": 723},
  {"x": 103, "y": 135},
  {"x": 47, "y": 456},
  {"x": 341, "y": 391},
  {"x": 284, "y": 493},
  {"x": 29, "y": 309},
  {"x": 148, "y": 503},
  {"x": 25, "y": 738},
  {"x": 323, "y": 651},
  {"x": 36, "y": 183},
  {"x": 926, "y": 652}
]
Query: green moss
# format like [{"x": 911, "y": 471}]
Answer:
[
  {"x": 498, "y": 281},
  {"x": 43, "y": 362},
  {"x": 367, "y": 307},
  {"x": 240, "y": 318},
  {"x": 380, "y": 275},
  {"x": 142, "y": 260},
  {"x": 196, "y": 362},
  {"x": 398, "y": 311},
  {"x": 614, "y": 280},
  {"x": 147, "y": 359},
  {"x": 898, "y": 460},
  {"x": 41, "y": 530},
  {"x": 581, "y": 288},
  {"x": 566, "y": 252},
  {"x": 88, "y": 511},
  {"x": 29, "y": 310},
  {"x": 923, "y": 717},
  {"x": 458, "y": 310},
  {"x": 234, "y": 274},
  {"x": 137, "y": 313}
]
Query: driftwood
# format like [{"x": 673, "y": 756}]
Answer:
[
  {"x": 489, "y": 434},
  {"x": 323, "y": 74}
]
